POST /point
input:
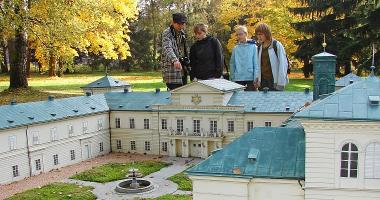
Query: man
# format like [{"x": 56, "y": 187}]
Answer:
[{"x": 174, "y": 57}]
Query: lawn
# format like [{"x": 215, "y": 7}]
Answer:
[
  {"x": 56, "y": 191},
  {"x": 182, "y": 180},
  {"x": 117, "y": 171},
  {"x": 41, "y": 86}
]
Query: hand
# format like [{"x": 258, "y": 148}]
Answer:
[
  {"x": 177, "y": 65},
  {"x": 256, "y": 83}
]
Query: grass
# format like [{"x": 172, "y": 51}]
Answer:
[
  {"x": 56, "y": 191},
  {"x": 42, "y": 86},
  {"x": 182, "y": 180},
  {"x": 299, "y": 84},
  {"x": 117, "y": 171}
]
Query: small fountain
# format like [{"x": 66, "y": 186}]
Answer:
[{"x": 134, "y": 184}]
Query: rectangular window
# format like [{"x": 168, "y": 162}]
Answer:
[
  {"x": 196, "y": 126},
  {"x": 12, "y": 142},
  {"x": 38, "y": 164},
  {"x": 117, "y": 122},
  {"x": 268, "y": 124},
  {"x": 55, "y": 158},
  {"x": 85, "y": 127},
  {"x": 36, "y": 138},
  {"x": 100, "y": 124},
  {"x": 118, "y": 144},
  {"x": 164, "y": 146},
  {"x": 53, "y": 134},
  {"x": 179, "y": 125},
  {"x": 71, "y": 130},
  {"x": 131, "y": 123},
  {"x": 249, "y": 125},
  {"x": 146, "y": 123},
  {"x": 133, "y": 145},
  {"x": 213, "y": 126},
  {"x": 72, "y": 154},
  {"x": 15, "y": 171},
  {"x": 230, "y": 126},
  {"x": 147, "y": 146},
  {"x": 164, "y": 124},
  {"x": 101, "y": 147}
]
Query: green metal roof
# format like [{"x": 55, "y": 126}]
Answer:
[
  {"x": 345, "y": 80},
  {"x": 263, "y": 152},
  {"x": 141, "y": 101},
  {"x": 50, "y": 110},
  {"x": 272, "y": 101},
  {"x": 352, "y": 102},
  {"x": 106, "y": 82}
]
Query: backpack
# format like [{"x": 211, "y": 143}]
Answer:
[{"x": 275, "y": 51}]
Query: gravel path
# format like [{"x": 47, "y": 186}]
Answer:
[{"x": 65, "y": 172}]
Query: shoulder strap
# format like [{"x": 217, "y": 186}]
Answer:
[{"x": 275, "y": 47}]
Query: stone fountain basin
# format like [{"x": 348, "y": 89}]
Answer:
[{"x": 124, "y": 186}]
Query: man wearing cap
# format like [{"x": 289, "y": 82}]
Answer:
[{"x": 173, "y": 52}]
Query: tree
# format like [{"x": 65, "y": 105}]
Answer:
[{"x": 345, "y": 24}]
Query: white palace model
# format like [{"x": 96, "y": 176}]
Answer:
[{"x": 263, "y": 145}]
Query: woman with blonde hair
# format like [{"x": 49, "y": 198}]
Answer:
[
  {"x": 273, "y": 63},
  {"x": 206, "y": 57},
  {"x": 243, "y": 62}
]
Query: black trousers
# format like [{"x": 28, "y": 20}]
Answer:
[
  {"x": 267, "y": 83},
  {"x": 248, "y": 84},
  {"x": 172, "y": 86}
]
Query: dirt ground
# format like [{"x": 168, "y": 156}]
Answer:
[{"x": 65, "y": 172}]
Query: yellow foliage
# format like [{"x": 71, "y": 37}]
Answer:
[
  {"x": 61, "y": 28},
  {"x": 273, "y": 12}
]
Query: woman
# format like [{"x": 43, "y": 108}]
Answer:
[
  {"x": 206, "y": 58},
  {"x": 273, "y": 63},
  {"x": 243, "y": 60}
]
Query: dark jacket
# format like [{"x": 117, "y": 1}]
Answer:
[{"x": 206, "y": 59}]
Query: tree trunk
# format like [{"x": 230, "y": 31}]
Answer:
[
  {"x": 5, "y": 65},
  {"x": 60, "y": 67},
  {"x": 19, "y": 54},
  {"x": 28, "y": 64},
  {"x": 52, "y": 65}
]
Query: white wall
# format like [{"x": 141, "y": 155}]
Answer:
[
  {"x": 223, "y": 188},
  {"x": 324, "y": 141},
  {"x": 46, "y": 148}
]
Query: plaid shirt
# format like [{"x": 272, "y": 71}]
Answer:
[{"x": 170, "y": 53}]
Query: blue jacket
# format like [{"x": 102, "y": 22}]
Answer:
[{"x": 243, "y": 62}]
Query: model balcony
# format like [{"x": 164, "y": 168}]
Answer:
[{"x": 199, "y": 133}]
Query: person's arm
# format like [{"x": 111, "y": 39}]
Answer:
[
  {"x": 168, "y": 48},
  {"x": 192, "y": 61},
  {"x": 282, "y": 67},
  {"x": 255, "y": 66},
  {"x": 218, "y": 58},
  {"x": 232, "y": 65}
]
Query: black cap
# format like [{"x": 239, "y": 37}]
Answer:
[{"x": 179, "y": 18}]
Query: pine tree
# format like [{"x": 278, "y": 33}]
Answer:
[{"x": 343, "y": 22}]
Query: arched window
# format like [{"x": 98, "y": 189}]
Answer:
[
  {"x": 372, "y": 161},
  {"x": 349, "y": 161}
]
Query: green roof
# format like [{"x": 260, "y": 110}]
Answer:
[
  {"x": 138, "y": 101},
  {"x": 106, "y": 82},
  {"x": 263, "y": 152},
  {"x": 51, "y": 110},
  {"x": 356, "y": 101},
  {"x": 345, "y": 80},
  {"x": 273, "y": 101}
]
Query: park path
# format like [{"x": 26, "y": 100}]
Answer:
[{"x": 105, "y": 191}]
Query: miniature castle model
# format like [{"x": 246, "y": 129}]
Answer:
[{"x": 327, "y": 150}]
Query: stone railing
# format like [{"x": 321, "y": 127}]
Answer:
[{"x": 201, "y": 133}]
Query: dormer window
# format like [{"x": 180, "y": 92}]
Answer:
[
  {"x": 253, "y": 154},
  {"x": 374, "y": 100}
]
